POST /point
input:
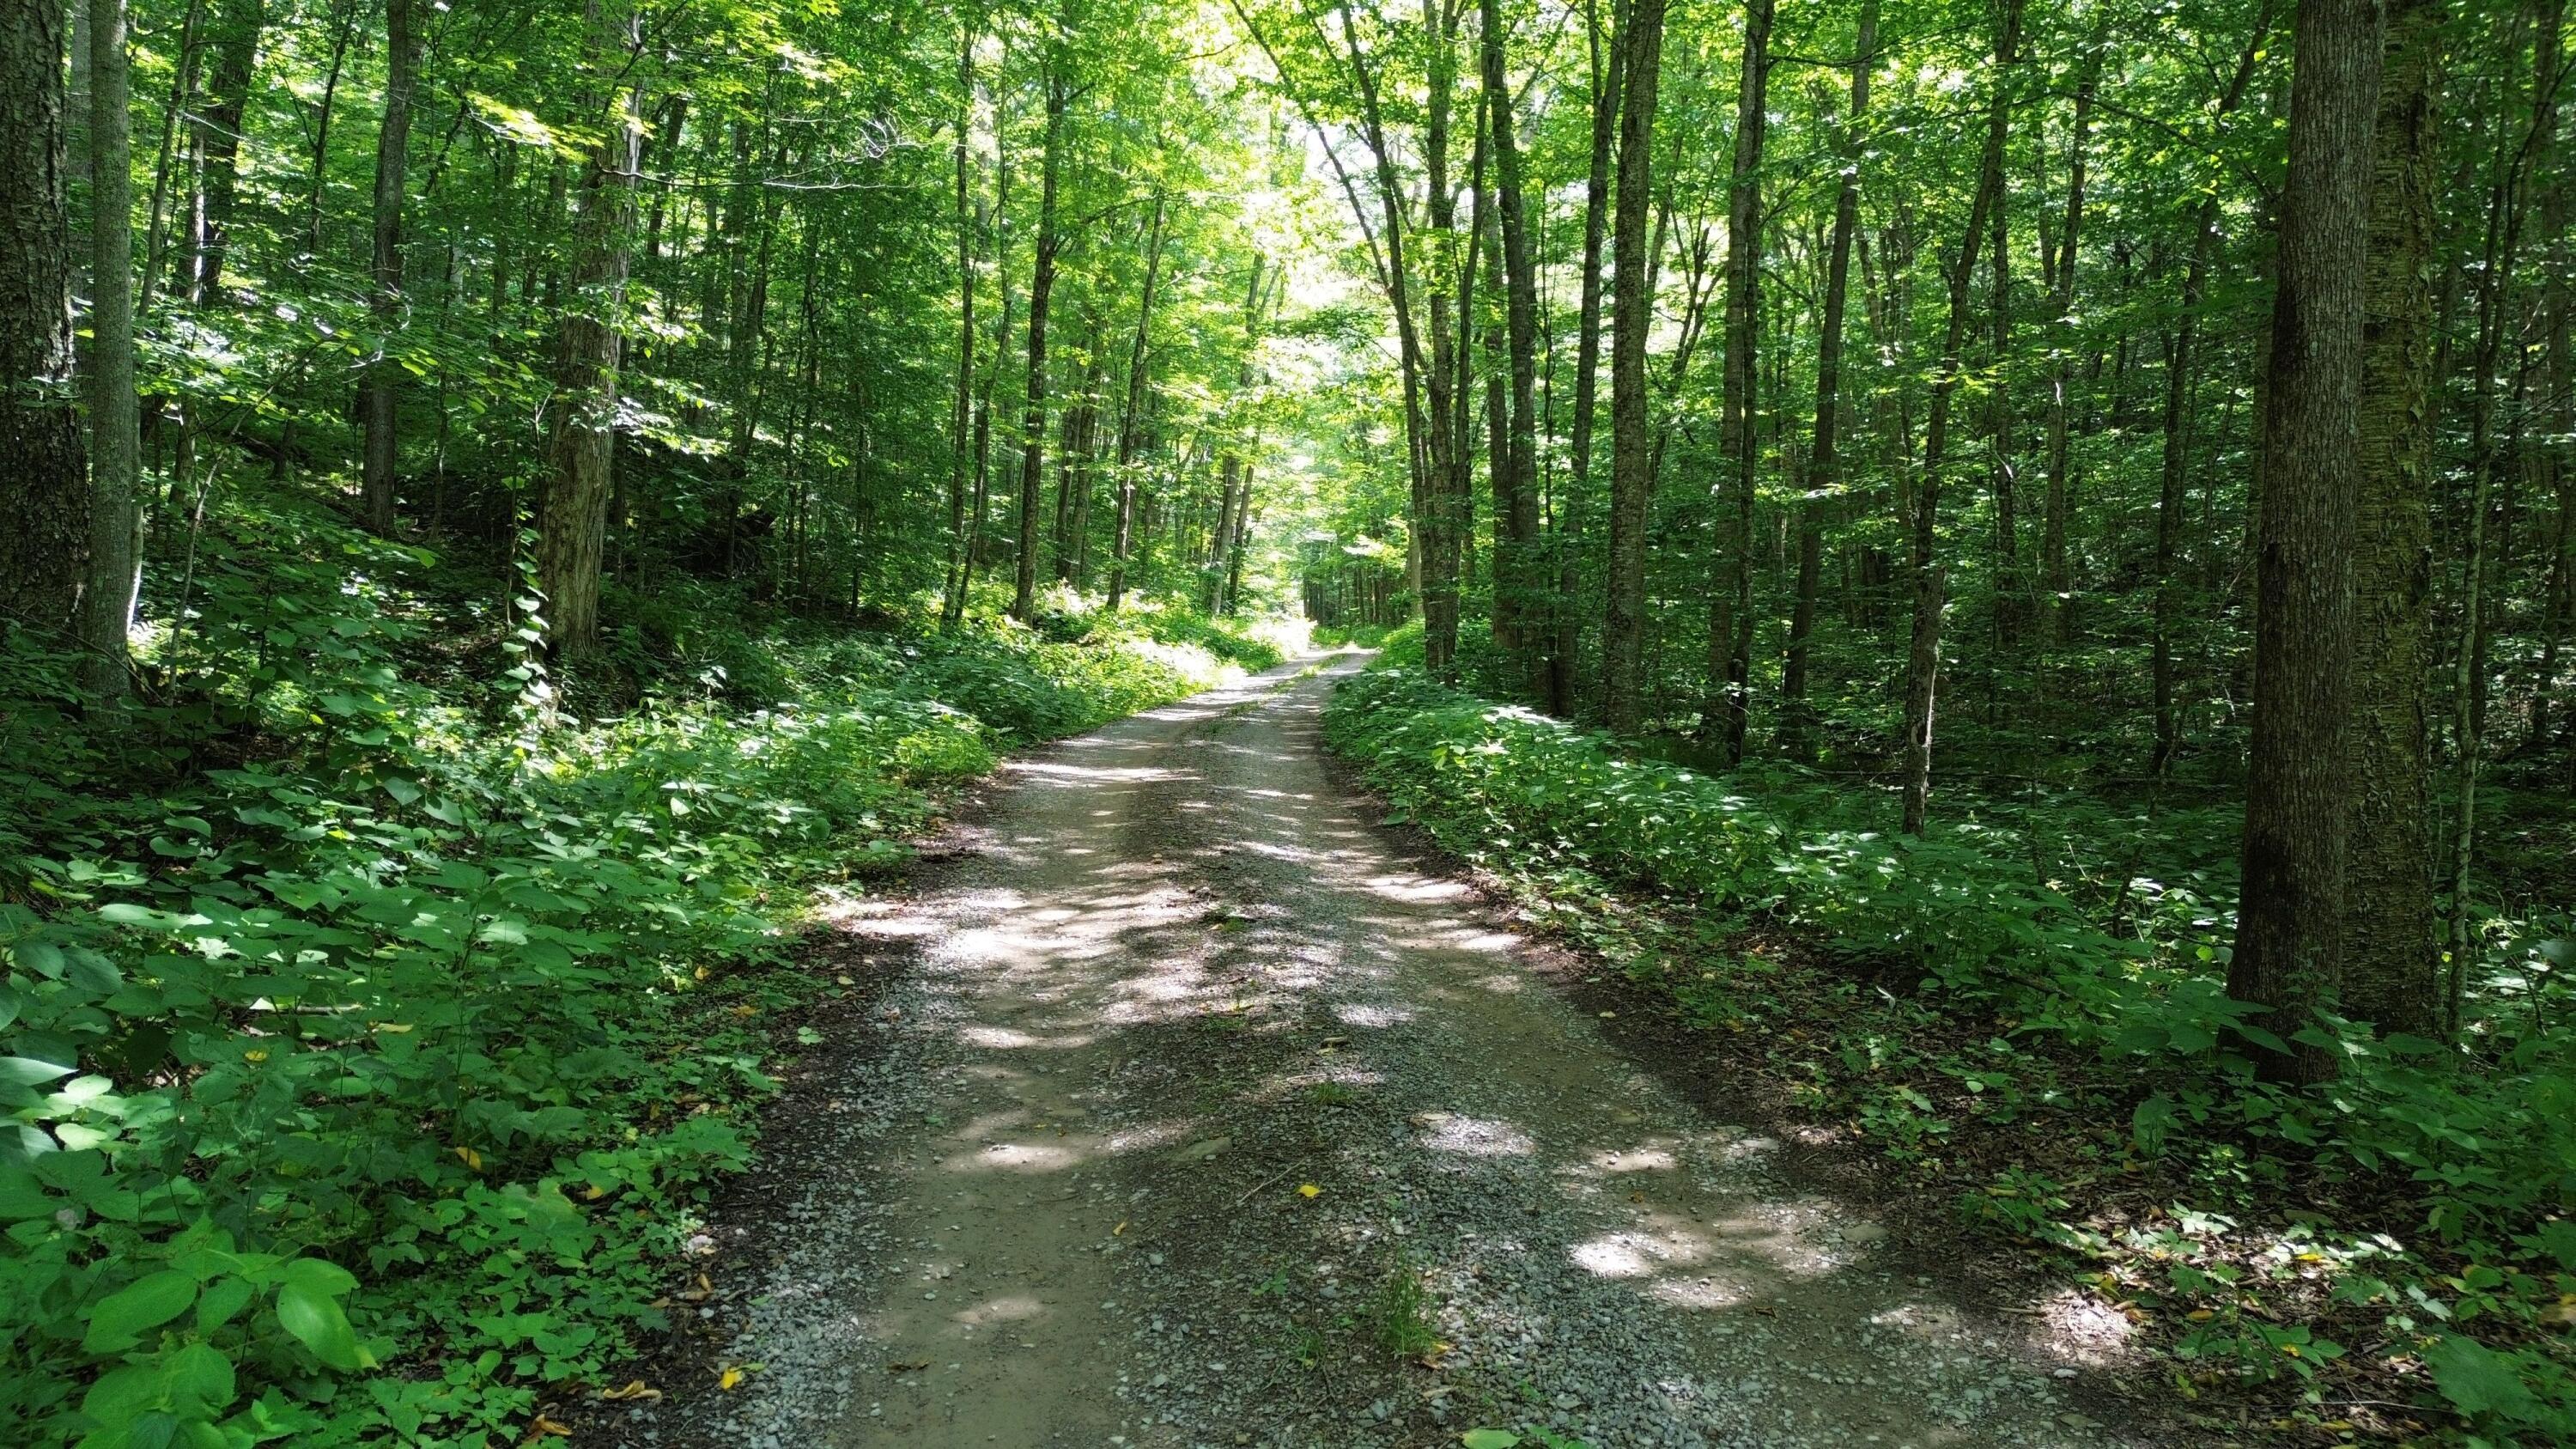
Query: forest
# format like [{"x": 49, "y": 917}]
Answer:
[{"x": 587, "y": 585}]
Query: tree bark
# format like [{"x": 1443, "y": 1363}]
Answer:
[
  {"x": 2290, "y": 923},
  {"x": 385, "y": 299},
  {"x": 2390, "y": 974},
  {"x": 573, "y": 530},
  {"x": 115, "y": 516},
  {"x": 1633, "y": 308},
  {"x": 44, "y": 486},
  {"x": 1797, "y": 719}
]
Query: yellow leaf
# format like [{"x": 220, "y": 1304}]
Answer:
[
  {"x": 701, "y": 973},
  {"x": 1607, "y": 1015},
  {"x": 730, "y": 1379},
  {"x": 471, "y": 1158},
  {"x": 635, "y": 1389},
  {"x": 398, "y": 1028},
  {"x": 1308, "y": 1189},
  {"x": 593, "y": 1193},
  {"x": 1122, "y": 1227},
  {"x": 2200, "y": 1315},
  {"x": 254, "y": 1055},
  {"x": 545, "y": 1426}
]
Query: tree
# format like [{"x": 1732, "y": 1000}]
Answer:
[
  {"x": 1797, "y": 724},
  {"x": 1041, "y": 298},
  {"x": 2388, "y": 957},
  {"x": 589, "y": 341},
  {"x": 115, "y": 447},
  {"x": 44, "y": 485},
  {"x": 385, "y": 299},
  {"x": 2290, "y": 924},
  {"x": 1632, "y": 314}
]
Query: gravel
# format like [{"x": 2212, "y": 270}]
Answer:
[{"x": 1063, "y": 1194}]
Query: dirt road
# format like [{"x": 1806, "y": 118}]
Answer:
[{"x": 1205, "y": 1118}]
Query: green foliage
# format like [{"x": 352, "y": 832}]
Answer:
[{"x": 372, "y": 1032}]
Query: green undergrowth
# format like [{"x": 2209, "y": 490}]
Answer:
[
  {"x": 2013, "y": 1010},
  {"x": 374, "y": 1028}
]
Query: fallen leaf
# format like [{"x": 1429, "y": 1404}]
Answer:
[
  {"x": 635, "y": 1389},
  {"x": 470, "y": 1158},
  {"x": 545, "y": 1426},
  {"x": 730, "y": 1379},
  {"x": 1308, "y": 1189},
  {"x": 1122, "y": 1227},
  {"x": 905, "y": 1368}
]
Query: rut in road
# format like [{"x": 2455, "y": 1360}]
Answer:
[{"x": 1207, "y": 1119}]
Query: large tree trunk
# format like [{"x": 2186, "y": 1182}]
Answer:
[
  {"x": 1024, "y": 582},
  {"x": 2555, "y": 474},
  {"x": 2389, "y": 970},
  {"x": 1923, "y": 653},
  {"x": 2290, "y": 923},
  {"x": 1730, "y": 590},
  {"x": 573, "y": 529},
  {"x": 1632, "y": 480},
  {"x": 44, "y": 483},
  {"x": 1131, "y": 417},
  {"x": 384, "y": 301},
  {"x": 1441, "y": 521},
  {"x": 115, "y": 520},
  {"x": 1797, "y": 720}
]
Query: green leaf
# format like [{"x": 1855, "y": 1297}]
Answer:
[
  {"x": 318, "y": 1275},
  {"x": 199, "y": 1378},
  {"x": 31, "y": 1071},
  {"x": 1489, "y": 1439},
  {"x": 119, "y": 1320},
  {"x": 2476, "y": 1379},
  {"x": 42, "y": 957},
  {"x": 318, "y": 1324}
]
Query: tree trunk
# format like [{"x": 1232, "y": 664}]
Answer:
[
  {"x": 1923, "y": 653},
  {"x": 1730, "y": 590},
  {"x": 1797, "y": 719},
  {"x": 1024, "y": 581},
  {"x": 2290, "y": 923},
  {"x": 1515, "y": 579},
  {"x": 1607, "y": 67},
  {"x": 2057, "y": 581},
  {"x": 573, "y": 530},
  {"x": 219, "y": 133},
  {"x": 961, "y": 406},
  {"x": 385, "y": 300},
  {"x": 116, "y": 515},
  {"x": 1131, "y": 418},
  {"x": 1633, "y": 305},
  {"x": 2390, "y": 975},
  {"x": 44, "y": 488}
]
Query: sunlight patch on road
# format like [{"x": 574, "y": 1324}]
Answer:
[
  {"x": 1028, "y": 1157},
  {"x": 1473, "y": 1136}
]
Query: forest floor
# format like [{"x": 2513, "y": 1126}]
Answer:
[{"x": 1177, "y": 1103}]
